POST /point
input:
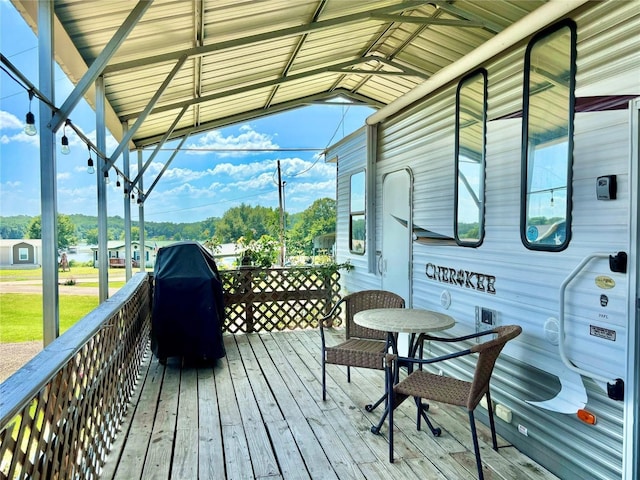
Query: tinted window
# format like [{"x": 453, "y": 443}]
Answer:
[
  {"x": 548, "y": 139},
  {"x": 471, "y": 104},
  {"x": 357, "y": 229}
]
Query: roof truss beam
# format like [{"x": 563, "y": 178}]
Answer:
[
  {"x": 451, "y": 22},
  {"x": 263, "y": 37},
  {"x": 96, "y": 68},
  {"x": 459, "y": 12},
  {"x": 270, "y": 83},
  {"x": 262, "y": 112}
]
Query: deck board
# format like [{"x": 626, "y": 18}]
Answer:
[{"x": 258, "y": 414}]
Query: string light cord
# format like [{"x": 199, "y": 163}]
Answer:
[{"x": 14, "y": 74}]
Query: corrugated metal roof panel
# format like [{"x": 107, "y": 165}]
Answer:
[{"x": 248, "y": 57}]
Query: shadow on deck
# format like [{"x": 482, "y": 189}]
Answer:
[{"x": 258, "y": 414}]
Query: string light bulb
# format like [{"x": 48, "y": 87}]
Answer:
[
  {"x": 64, "y": 149},
  {"x": 107, "y": 180},
  {"x": 90, "y": 168},
  {"x": 30, "y": 125},
  {"x": 118, "y": 181}
]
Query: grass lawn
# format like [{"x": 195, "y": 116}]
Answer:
[{"x": 21, "y": 314}]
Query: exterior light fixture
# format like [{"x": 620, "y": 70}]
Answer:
[
  {"x": 65, "y": 150},
  {"x": 30, "y": 125},
  {"x": 107, "y": 180},
  {"x": 90, "y": 168},
  {"x": 118, "y": 181}
]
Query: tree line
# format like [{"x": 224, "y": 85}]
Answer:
[{"x": 245, "y": 222}]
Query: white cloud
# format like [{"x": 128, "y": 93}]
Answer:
[
  {"x": 248, "y": 139},
  {"x": 176, "y": 174},
  {"x": 64, "y": 176},
  {"x": 10, "y": 185},
  {"x": 9, "y": 121}
]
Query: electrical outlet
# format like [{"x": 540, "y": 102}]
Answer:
[
  {"x": 487, "y": 316},
  {"x": 486, "y": 319}
]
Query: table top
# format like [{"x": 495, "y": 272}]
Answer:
[{"x": 405, "y": 320}]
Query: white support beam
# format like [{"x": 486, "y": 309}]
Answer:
[
  {"x": 127, "y": 212},
  {"x": 145, "y": 113},
  {"x": 101, "y": 142},
  {"x": 95, "y": 70},
  {"x": 166, "y": 165},
  {"x": 71, "y": 61},
  {"x": 48, "y": 175},
  {"x": 160, "y": 144},
  {"x": 141, "y": 217}
]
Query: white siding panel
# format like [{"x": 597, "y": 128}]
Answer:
[
  {"x": 352, "y": 158},
  {"x": 528, "y": 282}
]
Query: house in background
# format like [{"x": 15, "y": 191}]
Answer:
[
  {"x": 22, "y": 253},
  {"x": 117, "y": 253}
]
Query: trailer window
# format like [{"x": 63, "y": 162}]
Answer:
[
  {"x": 547, "y": 138},
  {"x": 357, "y": 212},
  {"x": 471, "y": 105}
]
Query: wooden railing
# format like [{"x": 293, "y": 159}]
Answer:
[
  {"x": 258, "y": 299},
  {"x": 60, "y": 413}
]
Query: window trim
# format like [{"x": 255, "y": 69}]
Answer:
[
  {"x": 483, "y": 73},
  {"x": 524, "y": 157}
]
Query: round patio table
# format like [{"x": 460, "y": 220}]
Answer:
[{"x": 401, "y": 320}]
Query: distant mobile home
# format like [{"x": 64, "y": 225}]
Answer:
[
  {"x": 117, "y": 254},
  {"x": 508, "y": 194},
  {"x": 20, "y": 252}
]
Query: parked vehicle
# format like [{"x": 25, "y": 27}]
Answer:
[{"x": 509, "y": 195}]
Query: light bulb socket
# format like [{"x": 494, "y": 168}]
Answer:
[
  {"x": 30, "y": 126},
  {"x": 107, "y": 180},
  {"x": 65, "y": 150}
]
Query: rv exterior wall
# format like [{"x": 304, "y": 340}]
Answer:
[
  {"x": 527, "y": 282},
  {"x": 352, "y": 157}
]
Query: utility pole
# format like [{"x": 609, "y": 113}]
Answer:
[{"x": 281, "y": 200}]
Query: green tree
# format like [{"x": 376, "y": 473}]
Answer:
[
  {"x": 318, "y": 219},
  {"x": 91, "y": 236},
  {"x": 247, "y": 221},
  {"x": 66, "y": 230}
]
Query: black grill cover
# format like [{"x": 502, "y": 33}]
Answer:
[{"x": 188, "y": 306}]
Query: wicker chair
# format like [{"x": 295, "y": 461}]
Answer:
[
  {"x": 422, "y": 384},
  {"x": 362, "y": 347}
]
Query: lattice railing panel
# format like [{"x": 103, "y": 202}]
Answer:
[
  {"x": 278, "y": 298},
  {"x": 60, "y": 413}
]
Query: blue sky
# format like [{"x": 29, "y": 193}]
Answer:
[{"x": 197, "y": 185}]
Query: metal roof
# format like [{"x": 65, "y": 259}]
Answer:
[{"x": 174, "y": 67}]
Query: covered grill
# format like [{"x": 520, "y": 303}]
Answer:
[{"x": 188, "y": 306}]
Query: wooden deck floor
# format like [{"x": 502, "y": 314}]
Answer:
[{"x": 259, "y": 414}]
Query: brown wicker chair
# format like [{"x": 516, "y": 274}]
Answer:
[
  {"x": 363, "y": 347},
  {"x": 422, "y": 384}
]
